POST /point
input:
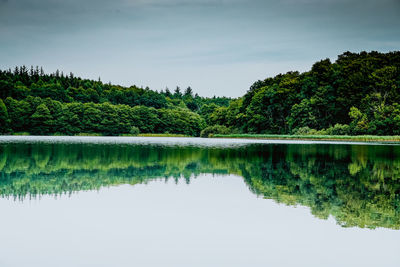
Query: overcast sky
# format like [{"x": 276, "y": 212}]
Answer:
[{"x": 218, "y": 47}]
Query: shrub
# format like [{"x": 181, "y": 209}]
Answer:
[
  {"x": 308, "y": 131},
  {"x": 134, "y": 130},
  {"x": 302, "y": 131},
  {"x": 319, "y": 132},
  {"x": 215, "y": 129},
  {"x": 339, "y": 129}
]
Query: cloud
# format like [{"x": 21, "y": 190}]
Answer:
[{"x": 157, "y": 42}]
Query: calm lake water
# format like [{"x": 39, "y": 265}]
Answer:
[{"x": 93, "y": 201}]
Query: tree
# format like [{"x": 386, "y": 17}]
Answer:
[
  {"x": 215, "y": 129},
  {"x": 4, "y": 119},
  {"x": 20, "y": 114},
  {"x": 318, "y": 99},
  {"x": 168, "y": 92},
  {"x": 177, "y": 92},
  {"x": 181, "y": 121},
  {"x": 234, "y": 118},
  {"x": 206, "y": 110},
  {"x": 359, "y": 122},
  {"x": 41, "y": 120},
  {"x": 188, "y": 93},
  {"x": 192, "y": 105},
  {"x": 145, "y": 118},
  {"x": 218, "y": 116}
]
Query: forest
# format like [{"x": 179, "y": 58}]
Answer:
[
  {"x": 37, "y": 103},
  {"x": 358, "y": 94}
]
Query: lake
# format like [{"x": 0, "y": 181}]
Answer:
[{"x": 126, "y": 201}]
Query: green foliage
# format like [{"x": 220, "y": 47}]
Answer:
[
  {"x": 4, "y": 118},
  {"x": 19, "y": 114},
  {"x": 48, "y": 104},
  {"x": 302, "y": 114},
  {"x": 41, "y": 120},
  {"x": 359, "y": 90},
  {"x": 339, "y": 129},
  {"x": 219, "y": 116},
  {"x": 359, "y": 123},
  {"x": 146, "y": 119},
  {"x": 303, "y": 131},
  {"x": 215, "y": 129},
  {"x": 180, "y": 121},
  {"x": 312, "y": 134},
  {"x": 206, "y": 111},
  {"x": 134, "y": 130},
  {"x": 234, "y": 118}
]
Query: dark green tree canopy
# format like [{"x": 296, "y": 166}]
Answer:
[
  {"x": 359, "y": 92},
  {"x": 325, "y": 96},
  {"x": 42, "y": 103}
]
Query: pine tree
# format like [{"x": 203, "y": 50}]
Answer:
[
  {"x": 168, "y": 92},
  {"x": 177, "y": 92},
  {"x": 189, "y": 92}
]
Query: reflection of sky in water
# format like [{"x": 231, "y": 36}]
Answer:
[{"x": 214, "y": 221}]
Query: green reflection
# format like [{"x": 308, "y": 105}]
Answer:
[{"x": 357, "y": 185}]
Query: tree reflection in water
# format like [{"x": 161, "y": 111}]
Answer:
[{"x": 359, "y": 185}]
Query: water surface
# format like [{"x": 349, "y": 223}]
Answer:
[{"x": 197, "y": 202}]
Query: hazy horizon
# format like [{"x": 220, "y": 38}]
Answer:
[{"x": 217, "y": 47}]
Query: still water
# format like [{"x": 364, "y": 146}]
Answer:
[{"x": 197, "y": 202}]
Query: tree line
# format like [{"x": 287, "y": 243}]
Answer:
[
  {"x": 38, "y": 103},
  {"x": 357, "y": 94}
]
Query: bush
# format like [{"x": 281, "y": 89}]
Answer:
[
  {"x": 134, "y": 130},
  {"x": 339, "y": 129},
  {"x": 303, "y": 131},
  {"x": 308, "y": 131},
  {"x": 215, "y": 129}
]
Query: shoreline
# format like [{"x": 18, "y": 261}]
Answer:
[
  {"x": 332, "y": 138},
  {"x": 224, "y": 141}
]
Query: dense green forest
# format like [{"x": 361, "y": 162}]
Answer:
[
  {"x": 356, "y": 95},
  {"x": 38, "y": 103},
  {"x": 357, "y": 185}
]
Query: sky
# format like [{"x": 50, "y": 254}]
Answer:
[{"x": 218, "y": 47}]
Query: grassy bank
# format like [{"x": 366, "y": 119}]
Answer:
[
  {"x": 98, "y": 134},
  {"x": 357, "y": 138}
]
